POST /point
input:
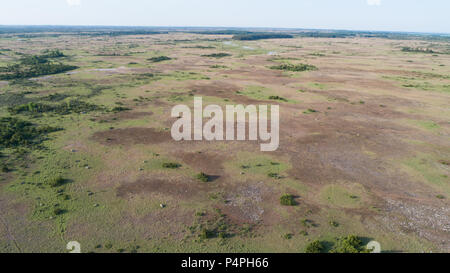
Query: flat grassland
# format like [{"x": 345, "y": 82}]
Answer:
[{"x": 364, "y": 149}]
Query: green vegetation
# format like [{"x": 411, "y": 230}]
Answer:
[
  {"x": 16, "y": 133},
  {"x": 315, "y": 247},
  {"x": 418, "y": 50},
  {"x": 287, "y": 200},
  {"x": 56, "y": 181},
  {"x": 159, "y": 59},
  {"x": 310, "y": 111},
  {"x": 118, "y": 109},
  {"x": 274, "y": 175},
  {"x": 294, "y": 67},
  {"x": 35, "y": 66},
  {"x": 261, "y": 36},
  {"x": 74, "y": 106},
  {"x": 350, "y": 244},
  {"x": 58, "y": 211},
  {"x": 277, "y": 98},
  {"x": 203, "y": 177},
  {"x": 217, "y": 55},
  {"x": 52, "y": 53},
  {"x": 171, "y": 165},
  {"x": 334, "y": 224}
]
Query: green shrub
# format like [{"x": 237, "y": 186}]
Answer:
[
  {"x": 310, "y": 111},
  {"x": 350, "y": 244},
  {"x": 315, "y": 247},
  {"x": 274, "y": 175},
  {"x": 56, "y": 181},
  {"x": 120, "y": 109},
  {"x": 277, "y": 98},
  {"x": 294, "y": 67},
  {"x": 206, "y": 233},
  {"x": 18, "y": 133},
  {"x": 5, "y": 169},
  {"x": 171, "y": 165},
  {"x": 58, "y": 211},
  {"x": 217, "y": 55},
  {"x": 203, "y": 177},
  {"x": 159, "y": 59},
  {"x": 287, "y": 200}
]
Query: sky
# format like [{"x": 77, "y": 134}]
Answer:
[{"x": 382, "y": 15}]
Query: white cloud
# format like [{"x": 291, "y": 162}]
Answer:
[
  {"x": 374, "y": 2},
  {"x": 73, "y": 2}
]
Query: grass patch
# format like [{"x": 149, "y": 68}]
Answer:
[{"x": 341, "y": 197}]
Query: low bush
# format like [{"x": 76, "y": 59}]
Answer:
[
  {"x": 277, "y": 98},
  {"x": 350, "y": 244},
  {"x": 58, "y": 211},
  {"x": 171, "y": 165},
  {"x": 217, "y": 55},
  {"x": 159, "y": 59},
  {"x": 315, "y": 247},
  {"x": 207, "y": 234},
  {"x": 287, "y": 200},
  {"x": 202, "y": 177},
  {"x": 56, "y": 181},
  {"x": 294, "y": 67}
]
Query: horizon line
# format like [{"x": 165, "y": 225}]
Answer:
[{"x": 230, "y": 27}]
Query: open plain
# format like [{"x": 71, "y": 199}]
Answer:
[{"x": 364, "y": 144}]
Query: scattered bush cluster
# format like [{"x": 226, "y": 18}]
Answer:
[
  {"x": 217, "y": 55},
  {"x": 35, "y": 66},
  {"x": 159, "y": 59},
  {"x": 417, "y": 50},
  {"x": 74, "y": 106},
  {"x": 348, "y": 244},
  {"x": 15, "y": 132},
  {"x": 294, "y": 67}
]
